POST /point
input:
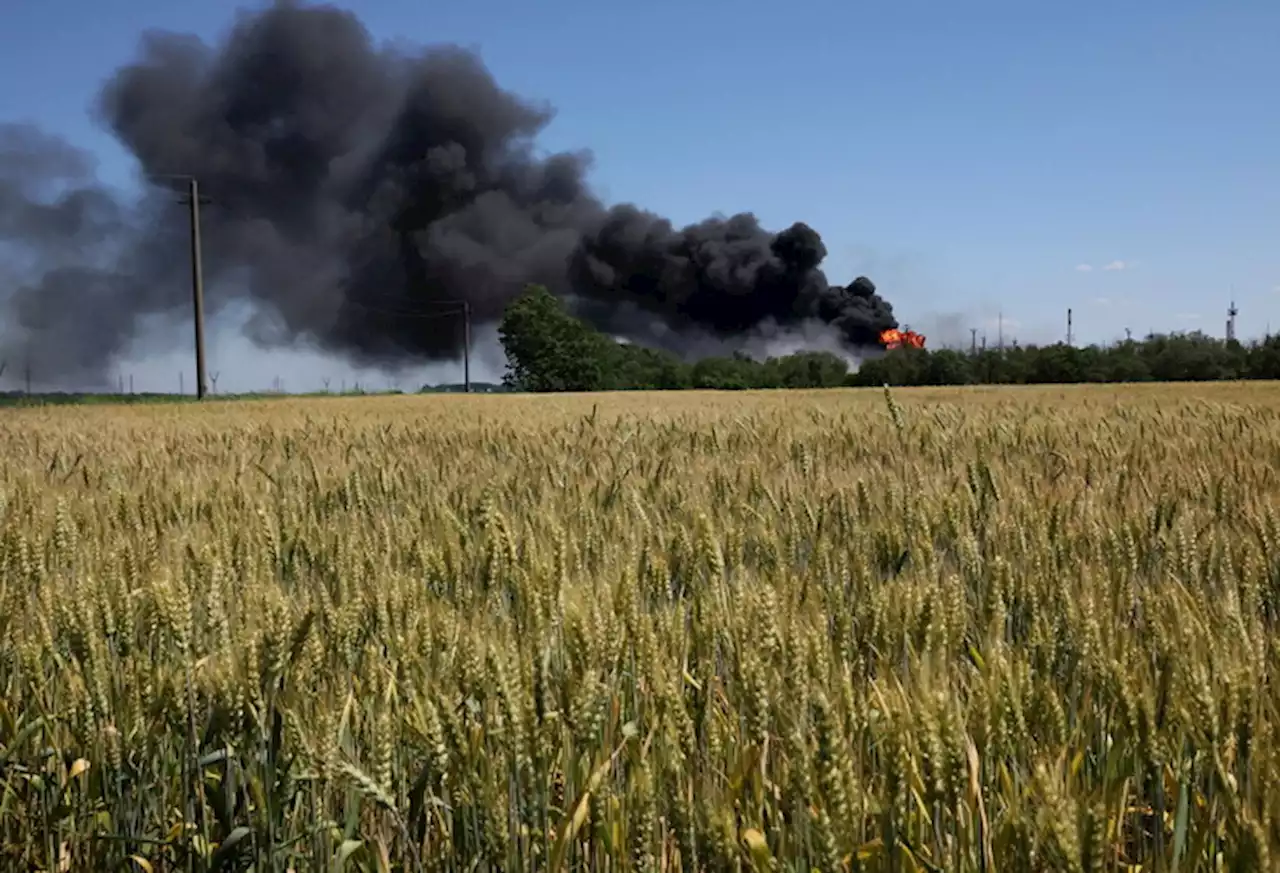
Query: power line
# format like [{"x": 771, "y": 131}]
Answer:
[
  {"x": 452, "y": 309},
  {"x": 193, "y": 198},
  {"x": 457, "y": 309},
  {"x": 427, "y": 302}
]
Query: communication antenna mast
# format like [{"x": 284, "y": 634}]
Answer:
[
  {"x": 1232, "y": 312},
  {"x": 1068, "y": 327}
]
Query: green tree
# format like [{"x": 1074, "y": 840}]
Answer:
[
  {"x": 807, "y": 370},
  {"x": 726, "y": 374},
  {"x": 898, "y": 367},
  {"x": 1124, "y": 362},
  {"x": 548, "y": 349},
  {"x": 637, "y": 368},
  {"x": 1263, "y": 360},
  {"x": 947, "y": 367}
]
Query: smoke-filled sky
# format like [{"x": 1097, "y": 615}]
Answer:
[
  {"x": 359, "y": 195},
  {"x": 970, "y": 161}
]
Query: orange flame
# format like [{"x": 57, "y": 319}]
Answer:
[{"x": 897, "y": 339}]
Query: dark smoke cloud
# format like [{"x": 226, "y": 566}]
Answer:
[{"x": 354, "y": 187}]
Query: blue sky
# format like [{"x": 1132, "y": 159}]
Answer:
[{"x": 968, "y": 157}]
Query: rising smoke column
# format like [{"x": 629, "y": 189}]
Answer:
[
  {"x": 71, "y": 253},
  {"x": 725, "y": 276},
  {"x": 354, "y": 182}
]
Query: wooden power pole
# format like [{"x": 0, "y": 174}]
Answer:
[
  {"x": 192, "y": 200},
  {"x": 197, "y": 283},
  {"x": 466, "y": 347}
]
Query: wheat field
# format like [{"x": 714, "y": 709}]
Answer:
[{"x": 981, "y": 629}]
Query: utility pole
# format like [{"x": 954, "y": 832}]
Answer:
[
  {"x": 1068, "y": 326},
  {"x": 197, "y": 283},
  {"x": 192, "y": 200},
  {"x": 973, "y": 341},
  {"x": 466, "y": 346}
]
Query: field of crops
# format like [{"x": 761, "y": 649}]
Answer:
[{"x": 984, "y": 629}]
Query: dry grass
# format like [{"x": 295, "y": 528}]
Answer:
[{"x": 1019, "y": 629}]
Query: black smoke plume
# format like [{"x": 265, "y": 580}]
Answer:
[{"x": 354, "y": 189}]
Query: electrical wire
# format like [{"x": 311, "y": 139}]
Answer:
[{"x": 401, "y": 313}]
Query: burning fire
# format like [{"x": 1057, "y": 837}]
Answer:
[{"x": 897, "y": 339}]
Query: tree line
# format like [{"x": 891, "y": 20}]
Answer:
[{"x": 549, "y": 349}]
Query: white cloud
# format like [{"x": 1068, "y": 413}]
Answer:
[
  {"x": 1189, "y": 316},
  {"x": 1117, "y": 265},
  {"x": 1084, "y": 268}
]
